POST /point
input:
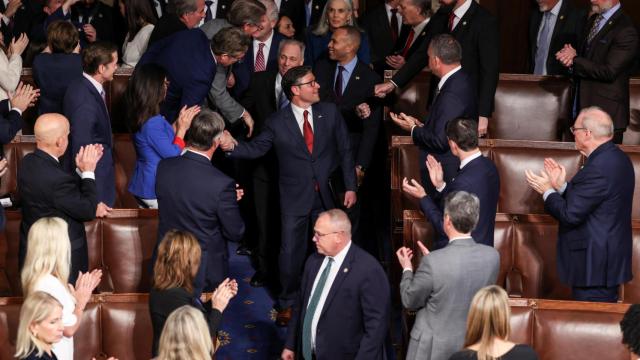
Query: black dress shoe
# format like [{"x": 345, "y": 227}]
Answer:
[
  {"x": 258, "y": 279},
  {"x": 243, "y": 250}
]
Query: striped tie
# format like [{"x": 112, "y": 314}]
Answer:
[
  {"x": 260, "y": 64},
  {"x": 307, "y": 347}
]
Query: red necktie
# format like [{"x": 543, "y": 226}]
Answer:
[
  {"x": 260, "y": 65},
  {"x": 394, "y": 24},
  {"x": 307, "y": 131},
  {"x": 407, "y": 45},
  {"x": 452, "y": 17}
]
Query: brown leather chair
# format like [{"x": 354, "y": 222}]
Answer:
[
  {"x": 631, "y": 290},
  {"x": 634, "y": 154},
  {"x": 115, "y": 100},
  {"x": 124, "y": 154},
  {"x": 632, "y": 135}
]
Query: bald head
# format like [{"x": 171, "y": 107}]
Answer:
[
  {"x": 598, "y": 122},
  {"x": 51, "y": 131}
]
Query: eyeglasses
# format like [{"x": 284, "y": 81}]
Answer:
[
  {"x": 319, "y": 235},
  {"x": 574, "y": 129},
  {"x": 312, "y": 83}
]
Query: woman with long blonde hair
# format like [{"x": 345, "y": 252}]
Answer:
[
  {"x": 185, "y": 336},
  {"x": 40, "y": 327},
  {"x": 488, "y": 329},
  {"x": 46, "y": 269}
]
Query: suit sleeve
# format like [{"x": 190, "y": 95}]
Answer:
[
  {"x": 414, "y": 64},
  {"x": 82, "y": 120},
  {"x": 375, "y": 299},
  {"x": 257, "y": 147},
  {"x": 9, "y": 126},
  {"x": 489, "y": 70},
  {"x": 620, "y": 57},
  {"x": 433, "y": 214},
  {"x": 10, "y": 69},
  {"x": 219, "y": 95},
  {"x": 415, "y": 288},
  {"x": 79, "y": 204},
  {"x": 449, "y": 107},
  {"x": 577, "y": 203},
  {"x": 229, "y": 214},
  {"x": 344, "y": 151}
]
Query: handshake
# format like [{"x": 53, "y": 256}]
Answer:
[{"x": 227, "y": 142}]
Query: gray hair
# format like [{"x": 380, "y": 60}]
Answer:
[
  {"x": 297, "y": 43},
  {"x": 272, "y": 9},
  {"x": 446, "y": 48},
  {"x": 597, "y": 121},
  {"x": 205, "y": 128},
  {"x": 245, "y": 12},
  {"x": 424, "y": 6},
  {"x": 185, "y": 6},
  {"x": 339, "y": 220},
  {"x": 463, "y": 209},
  {"x": 323, "y": 25}
]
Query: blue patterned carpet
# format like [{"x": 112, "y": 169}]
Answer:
[{"x": 248, "y": 329}]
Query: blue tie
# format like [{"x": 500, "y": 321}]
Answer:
[
  {"x": 311, "y": 310},
  {"x": 282, "y": 100},
  {"x": 542, "y": 51},
  {"x": 209, "y": 14}
]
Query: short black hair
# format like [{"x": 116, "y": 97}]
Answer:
[
  {"x": 463, "y": 132},
  {"x": 96, "y": 54},
  {"x": 205, "y": 127},
  {"x": 446, "y": 48},
  {"x": 292, "y": 77},
  {"x": 630, "y": 326}
]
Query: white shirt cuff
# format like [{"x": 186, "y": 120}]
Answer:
[
  {"x": 413, "y": 127},
  {"x": 394, "y": 84},
  {"x": 406, "y": 269},
  {"x": 441, "y": 188},
  {"x": 17, "y": 110},
  {"x": 547, "y": 193},
  {"x": 86, "y": 174},
  {"x": 563, "y": 188}
]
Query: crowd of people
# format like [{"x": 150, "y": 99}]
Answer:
[{"x": 260, "y": 122}]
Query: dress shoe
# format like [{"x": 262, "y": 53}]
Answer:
[
  {"x": 243, "y": 250},
  {"x": 258, "y": 279},
  {"x": 283, "y": 317}
]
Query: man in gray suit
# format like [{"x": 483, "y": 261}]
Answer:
[{"x": 442, "y": 287}]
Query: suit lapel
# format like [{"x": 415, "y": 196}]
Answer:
[
  {"x": 93, "y": 91},
  {"x": 465, "y": 22},
  {"x": 292, "y": 124},
  {"x": 319, "y": 127},
  {"x": 342, "y": 274},
  {"x": 354, "y": 80},
  {"x": 605, "y": 29},
  {"x": 562, "y": 15}
]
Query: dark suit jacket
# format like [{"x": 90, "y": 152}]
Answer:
[
  {"x": 479, "y": 177},
  {"x": 101, "y": 17},
  {"x": 52, "y": 74},
  {"x": 46, "y": 189},
  {"x": 260, "y": 98},
  {"x": 359, "y": 90},
  {"x": 90, "y": 124},
  {"x": 376, "y": 25},
  {"x": 186, "y": 57},
  {"x": 168, "y": 24},
  {"x": 243, "y": 70},
  {"x": 568, "y": 30},
  {"x": 10, "y": 124},
  {"x": 223, "y": 8},
  {"x": 355, "y": 317},
  {"x": 602, "y": 69},
  {"x": 294, "y": 9},
  {"x": 300, "y": 171},
  {"x": 456, "y": 99},
  {"x": 163, "y": 302},
  {"x": 27, "y": 15},
  {"x": 594, "y": 212},
  {"x": 195, "y": 196}
]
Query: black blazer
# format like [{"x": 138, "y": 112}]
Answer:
[
  {"x": 355, "y": 317},
  {"x": 260, "y": 98},
  {"x": 167, "y": 25},
  {"x": 568, "y": 29},
  {"x": 163, "y": 302},
  {"x": 53, "y": 73},
  {"x": 603, "y": 68},
  {"x": 479, "y": 177},
  {"x": 359, "y": 89},
  {"x": 294, "y": 9},
  {"x": 376, "y": 25},
  {"x": 101, "y": 16},
  {"x": 24, "y": 20},
  {"x": 46, "y": 189}
]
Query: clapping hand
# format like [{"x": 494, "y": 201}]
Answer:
[
  {"x": 405, "y": 121},
  {"x": 540, "y": 183},
  {"x": 423, "y": 249},
  {"x": 436, "y": 174},
  {"x": 88, "y": 156},
  {"x": 85, "y": 284},
  {"x": 18, "y": 45},
  {"x": 223, "y": 293},
  {"x": 557, "y": 173},
  {"x": 414, "y": 188},
  {"x": 25, "y": 96}
]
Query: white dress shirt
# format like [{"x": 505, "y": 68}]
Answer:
[
  {"x": 279, "y": 89},
  {"x": 459, "y": 12},
  {"x": 335, "y": 267},
  {"x": 265, "y": 49},
  {"x": 418, "y": 29},
  {"x": 298, "y": 113}
]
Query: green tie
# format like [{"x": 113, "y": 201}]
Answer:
[{"x": 311, "y": 310}]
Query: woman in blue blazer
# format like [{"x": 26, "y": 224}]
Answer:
[
  {"x": 154, "y": 138},
  {"x": 336, "y": 13}
]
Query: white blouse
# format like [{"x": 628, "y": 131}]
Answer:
[
  {"x": 133, "y": 50},
  {"x": 10, "y": 70}
]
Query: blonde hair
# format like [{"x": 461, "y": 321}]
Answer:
[
  {"x": 185, "y": 336},
  {"x": 488, "y": 319},
  {"x": 35, "y": 309},
  {"x": 323, "y": 25},
  {"x": 178, "y": 261},
  {"x": 48, "y": 252}
]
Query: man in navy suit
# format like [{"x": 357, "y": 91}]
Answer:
[
  {"x": 593, "y": 210},
  {"x": 454, "y": 98},
  {"x": 311, "y": 141},
  {"x": 478, "y": 175},
  {"x": 194, "y": 196},
  {"x": 85, "y": 106},
  {"x": 190, "y": 60},
  {"x": 343, "y": 308}
]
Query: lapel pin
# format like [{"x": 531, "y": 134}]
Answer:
[
  {"x": 357, "y": 77},
  {"x": 561, "y": 17},
  {"x": 464, "y": 23},
  {"x": 100, "y": 15},
  {"x": 346, "y": 270},
  {"x": 317, "y": 7},
  {"x": 610, "y": 22},
  {"x": 319, "y": 116},
  {"x": 224, "y": 6}
]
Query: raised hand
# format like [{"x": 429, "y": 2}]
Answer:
[
  {"x": 436, "y": 174},
  {"x": 405, "y": 255},
  {"x": 540, "y": 183},
  {"x": 406, "y": 122},
  {"x": 414, "y": 188},
  {"x": 223, "y": 293},
  {"x": 184, "y": 119},
  {"x": 18, "y": 44},
  {"x": 12, "y": 8},
  {"x": 25, "y": 96},
  {"x": 88, "y": 156},
  {"x": 557, "y": 173}
]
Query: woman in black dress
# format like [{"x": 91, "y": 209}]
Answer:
[
  {"x": 488, "y": 329},
  {"x": 173, "y": 273}
]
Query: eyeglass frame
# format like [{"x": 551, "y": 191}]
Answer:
[
  {"x": 320, "y": 236},
  {"x": 573, "y": 129},
  {"x": 313, "y": 82}
]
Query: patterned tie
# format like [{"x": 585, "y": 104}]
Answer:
[
  {"x": 104, "y": 97},
  {"x": 394, "y": 24},
  {"x": 282, "y": 100},
  {"x": 209, "y": 15},
  {"x": 311, "y": 310},
  {"x": 595, "y": 28},
  {"x": 307, "y": 132},
  {"x": 337, "y": 88},
  {"x": 407, "y": 45},
  {"x": 452, "y": 17},
  {"x": 543, "y": 45},
  {"x": 260, "y": 64}
]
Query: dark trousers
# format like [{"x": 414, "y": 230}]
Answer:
[
  {"x": 294, "y": 249},
  {"x": 595, "y": 293},
  {"x": 267, "y": 208}
]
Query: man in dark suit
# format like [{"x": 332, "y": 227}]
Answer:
[
  {"x": 186, "y": 15},
  {"x": 478, "y": 175},
  {"x": 85, "y": 106},
  {"x": 556, "y": 23},
  {"x": 455, "y": 98},
  {"x": 602, "y": 63},
  {"x": 385, "y": 24},
  {"x": 194, "y": 196},
  {"x": 343, "y": 310},
  {"x": 216, "y": 9},
  {"x": 263, "y": 51},
  {"x": 263, "y": 98},
  {"x": 593, "y": 211},
  {"x": 303, "y": 13},
  {"x": 46, "y": 189},
  {"x": 18, "y": 17},
  {"x": 311, "y": 142},
  {"x": 348, "y": 82}
]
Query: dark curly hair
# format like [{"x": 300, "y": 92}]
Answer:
[{"x": 630, "y": 326}]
